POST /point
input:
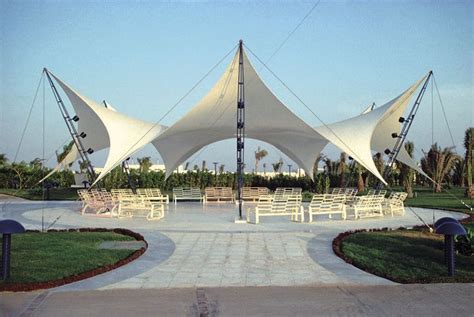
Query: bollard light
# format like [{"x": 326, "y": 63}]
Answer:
[
  {"x": 449, "y": 227},
  {"x": 7, "y": 228}
]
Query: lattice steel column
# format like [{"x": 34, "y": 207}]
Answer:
[{"x": 240, "y": 129}]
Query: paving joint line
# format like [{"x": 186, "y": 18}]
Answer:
[{"x": 202, "y": 303}]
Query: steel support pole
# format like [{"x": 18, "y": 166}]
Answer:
[
  {"x": 392, "y": 154},
  {"x": 240, "y": 136},
  {"x": 76, "y": 137}
]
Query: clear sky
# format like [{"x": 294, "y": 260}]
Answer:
[{"x": 143, "y": 56}]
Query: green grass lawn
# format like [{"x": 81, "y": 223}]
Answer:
[
  {"x": 411, "y": 256},
  {"x": 405, "y": 256},
  {"x": 39, "y": 257},
  {"x": 36, "y": 194},
  {"x": 425, "y": 197}
]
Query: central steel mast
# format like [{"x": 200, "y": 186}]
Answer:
[{"x": 240, "y": 129}]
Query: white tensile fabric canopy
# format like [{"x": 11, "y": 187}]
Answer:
[
  {"x": 214, "y": 118},
  {"x": 371, "y": 130},
  {"x": 107, "y": 128},
  {"x": 70, "y": 158}
]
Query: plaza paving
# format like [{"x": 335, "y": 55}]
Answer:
[{"x": 200, "y": 246}]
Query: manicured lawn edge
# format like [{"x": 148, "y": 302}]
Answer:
[
  {"x": 337, "y": 248},
  {"x": 25, "y": 287}
]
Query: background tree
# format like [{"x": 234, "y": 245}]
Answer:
[
  {"x": 469, "y": 160},
  {"x": 203, "y": 166},
  {"x": 341, "y": 169},
  {"x": 259, "y": 155},
  {"x": 358, "y": 170},
  {"x": 221, "y": 169},
  {"x": 406, "y": 173},
  {"x": 316, "y": 164},
  {"x": 82, "y": 166},
  {"x": 3, "y": 159},
  {"x": 438, "y": 164},
  {"x": 330, "y": 166},
  {"x": 459, "y": 172},
  {"x": 277, "y": 166},
  {"x": 186, "y": 166},
  {"x": 145, "y": 164},
  {"x": 264, "y": 168},
  {"x": 66, "y": 149}
]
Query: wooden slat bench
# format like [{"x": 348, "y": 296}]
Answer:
[
  {"x": 253, "y": 193},
  {"x": 218, "y": 194},
  {"x": 289, "y": 205},
  {"x": 154, "y": 194},
  {"x": 285, "y": 191},
  {"x": 187, "y": 193}
]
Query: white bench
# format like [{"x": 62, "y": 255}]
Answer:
[
  {"x": 285, "y": 191},
  {"x": 130, "y": 205},
  {"x": 218, "y": 194},
  {"x": 327, "y": 204},
  {"x": 289, "y": 205},
  {"x": 368, "y": 206},
  {"x": 99, "y": 201},
  {"x": 253, "y": 193},
  {"x": 154, "y": 194},
  {"x": 394, "y": 203},
  {"x": 188, "y": 193}
]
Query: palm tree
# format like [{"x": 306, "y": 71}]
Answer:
[
  {"x": 277, "y": 166},
  {"x": 358, "y": 169},
  {"x": 316, "y": 164},
  {"x": 406, "y": 173},
  {"x": 341, "y": 169},
  {"x": 459, "y": 172},
  {"x": 203, "y": 167},
  {"x": 145, "y": 164},
  {"x": 36, "y": 163},
  {"x": 3, "y": 159},
  {"x": 379, "y": 165},
  {"x": 469, "y": 160},
  {"x": 438, "y": 163},
  {"x": 330, "y": 166},
  {"x": 259, "y": 154}
]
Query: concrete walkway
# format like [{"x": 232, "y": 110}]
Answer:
[
  {"x": 201, "y": 246},
  {"x": 392, "y": 300}
]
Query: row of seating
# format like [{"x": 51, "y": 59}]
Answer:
[
  {"x": 123, "y": 203},
  {"x": 217, "y": 194},
  {"x": 288, "y": 203},
  {"x": 284, "y": 202}
]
